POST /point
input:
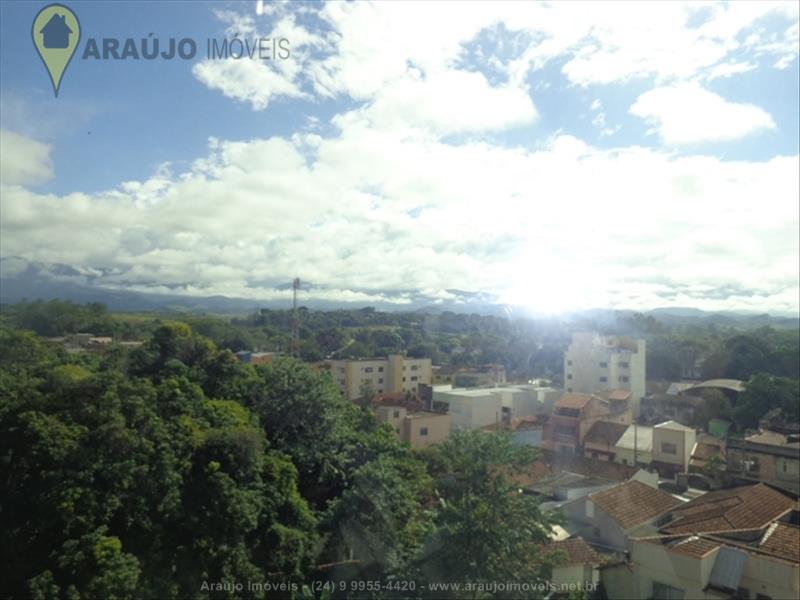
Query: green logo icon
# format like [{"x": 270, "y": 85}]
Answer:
[{"x": 56, "y": 33}]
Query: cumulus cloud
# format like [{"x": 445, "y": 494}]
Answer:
[
  {"x": 22, "y": 160},
  {"x": 687, "y": 114},
  {"x": 473, "y": 217}
]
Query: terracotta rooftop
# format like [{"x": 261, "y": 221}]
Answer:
[
  {"x": 576, "y": 552},
  {"x": 604, "y": 433},
  {"x": 706, "y": 447},
  {"x": 633, "y": 502},
  {"x": 577, "y": 401},
  {"x": 694, "y": 546},
  {"x": 772, "y": 438},
  {"x": 783, "y": 540},
  {"x": 746, "y": 507}
]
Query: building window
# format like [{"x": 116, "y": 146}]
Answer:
[
  {"x": 624, "y": 378},
  {"x": 569, "y": 363},
  {"x": 423, "y": 431},
  {"x": 380, "y": 379},
  {"x": 397, "y": 414},
  {"x": 604, "y": 365},
  {"x": 380, "y": 369},
  {"x": 669, "y": 448},
  {"x": 603, "y": 379},
  {"x": 404, "y": 379},
  {"x": 380, "y": 391},
  {"x": 368, "y": 369},
  {"x": 415, "y": 367},
  {"x": 569, "y": 375},
  {"x": 414, "y": 378},
  {"x": 569, "y": 390},
  {"x": 752, "y": 464},
  {"x": 624, "y": 365}
]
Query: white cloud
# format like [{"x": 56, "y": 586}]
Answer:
[
  {"x": 687, "y": 113},
  {"x": 475, "y": 217},
  {"x": 23, "y": 161},
  {"x": 246, "y": 80},
  {"x": 731, "y": 68}
]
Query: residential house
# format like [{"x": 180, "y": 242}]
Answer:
[
  {"x": 526, "y": 431},
  {"x": 573, "y": 416},
  {"x": 576, "y": 566},
  {"x": 635, "y": 446},
  {"x": 705, "y": 449},
  {"x": 601, "y": 439},
  {"x": 594, "y": 363},
  {"x": 734, "y": 543},
  {"x": 607, "y": 517},
  {"x": 768, "y": 456},
  {"x": 672, "y": 448},
  {"x": 419, "y": 429},
  {"x": 396, "y": 373}
]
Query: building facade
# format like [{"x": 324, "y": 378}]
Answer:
[
  {"x": 768, "y": 456},
  {"x": 595, "y": 363},
  {"x": 394, "y": 374},
  {"x": 419, "y": 429}
]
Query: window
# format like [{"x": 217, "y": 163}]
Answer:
[
  {"x": 368, "y": 369},
  {"x": 423, "y": 431},
  {"x": 569, "y": 363},
  {"x": 414, "y": 378},
  {"x": 397, "y": 414},
  {"x": 380, "y": 379},
  {"x": 603, "y": 379},
  {"x": 624, "y": 365},
  {"x": 569, "y": 375},
  {"x": 624, "y": 378},
  {"x": 404, "y": 379},
  {"x": 669, "y": 448},
  {"x": 594, "y": 454},
  {"x": 380, "y": 369},
  {"x": 752, "y": 464},
  {"x": 415, "y": 367},
  {"x": 569, "y": 390},
  {"x": 603, "y": 365}
]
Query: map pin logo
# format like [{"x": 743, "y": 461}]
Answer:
[{"x": 56, "y": 33}]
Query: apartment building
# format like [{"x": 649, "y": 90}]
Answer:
[
  {"x": 394, "y": 374},
  {"x": 594, "y": 363},
  {"x": 419, "y": 429},
  {"x": 472, "y": 408},
  {"x": 768, "y": 456}
]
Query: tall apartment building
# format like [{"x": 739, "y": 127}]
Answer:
[
  {"x": 394, "y": 374},
  {"x": 596, "y": 363}
]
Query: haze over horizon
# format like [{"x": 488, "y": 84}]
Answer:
[{"x": 557, "y": 157}]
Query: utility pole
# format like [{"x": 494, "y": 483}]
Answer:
[
  {"x": 295, "y": 343},
  {"x": 635, "y": 443}
]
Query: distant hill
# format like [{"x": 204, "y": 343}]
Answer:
[{"x": 35, "y": 283}]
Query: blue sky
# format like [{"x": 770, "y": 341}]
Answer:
[{"x": 634, "y": 155}]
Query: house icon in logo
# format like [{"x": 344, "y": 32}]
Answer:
[{"x": 55, "y": 34}]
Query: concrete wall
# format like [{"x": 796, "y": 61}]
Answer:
[
  {"x": 683, "y": 441},
  {"x": 437, "y": 425}
]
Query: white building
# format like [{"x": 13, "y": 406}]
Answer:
[
  {"x": 672, "y": 447},
  {"x": 641, "y": 446},
  {"x": 595, "y": 363},
  {"x": 394, "y": 374},
  {"x": 471, "y": 408}
]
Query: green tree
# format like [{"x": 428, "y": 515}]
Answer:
[{"x": 485, "y": 528}]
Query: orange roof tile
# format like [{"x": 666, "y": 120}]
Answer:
[
  {"x": 633, "y": 502},
  {"x": 746, "y": 507},
  {"x": 576, "y": 552}
]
